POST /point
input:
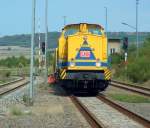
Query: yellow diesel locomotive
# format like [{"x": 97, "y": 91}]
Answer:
[{"x": 81, "y": 58}]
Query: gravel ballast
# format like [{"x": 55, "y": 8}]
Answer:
[
  {"x": 142, "y": 109},
  {"x": 50, "y": 110}
]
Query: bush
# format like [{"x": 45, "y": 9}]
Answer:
[
  {"x": 12, "y": 62},
  {"x": 138, "y": 71},
  {"x": 8, "y": 74},
  {"x": 138, "y": 68},
  {"x": 50, "y": 59},
  {"x": 116, "y": 58},
  {"x": 4, "y": 74}
]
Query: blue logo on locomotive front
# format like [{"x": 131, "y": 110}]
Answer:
[{"x": 85, "y": 52}]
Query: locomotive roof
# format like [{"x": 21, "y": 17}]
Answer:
[{"x": 69, "y": 25}]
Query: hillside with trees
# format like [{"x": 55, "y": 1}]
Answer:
[{"x": 25, "y": 39}]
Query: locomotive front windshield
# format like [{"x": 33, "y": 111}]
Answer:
[
  {"x": 91, "y": 29},
  {"x": 95, "y": 31},
  {"x": 71, "y": 31}
]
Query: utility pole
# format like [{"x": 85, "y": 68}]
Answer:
[
  {"x": 136, "y": 28},
  {"x": 39, "y": 39},
  {"x": 106, "y": 20},
  {"x": 106, "y": 31},
  {"x": 64, "y": 17},
  {"x": 137, "y": 36},
  {"x": 32, "y": 53},
  {"x": 46, "y": 37}
]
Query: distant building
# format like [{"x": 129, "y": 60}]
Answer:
[{"x": 114, "y": 45}]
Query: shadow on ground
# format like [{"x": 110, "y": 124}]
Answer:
[{"x": 59, "y": 90}]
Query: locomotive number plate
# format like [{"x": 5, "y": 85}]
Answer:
[{"x": 85, "y": 54}]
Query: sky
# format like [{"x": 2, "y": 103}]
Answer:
[{"x": 16, "y": 15}]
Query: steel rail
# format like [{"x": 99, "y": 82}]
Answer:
[
  {"x": 131, "y": 89},
  {"x": 13, "y": 89},
  {"x": 131, "y": 85},
  {"x": 11, "y": 82},
  {"x": 132, "y": 115},
  {"x": 91, "y": 119}
]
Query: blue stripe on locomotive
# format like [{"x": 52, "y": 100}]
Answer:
[{"x": 65, "y": 64}]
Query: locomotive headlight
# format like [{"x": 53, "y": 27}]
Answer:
[
  {"x": 72, "y": 64},
  {"x": 98, "y": 64}
]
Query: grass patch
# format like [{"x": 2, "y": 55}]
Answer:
[
  {"x": 16, "y": 111},
  {"x": 1, "y": 82},
  {"x": 129, "y": 98}
]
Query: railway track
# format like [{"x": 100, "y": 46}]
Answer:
[
  {"x": 90, "y": 118},
  {"x": 131, "y": 87},
  {"x": 11, "y": 82},
  {"x": 132, "y": 115},
  {"x": 119, "y": 113},
  {"x": 12, "y": 86}
]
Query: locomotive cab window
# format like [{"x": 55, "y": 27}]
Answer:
[
  {"x": 71, "y": 31},
  {"x": 95, "y": 31}
]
